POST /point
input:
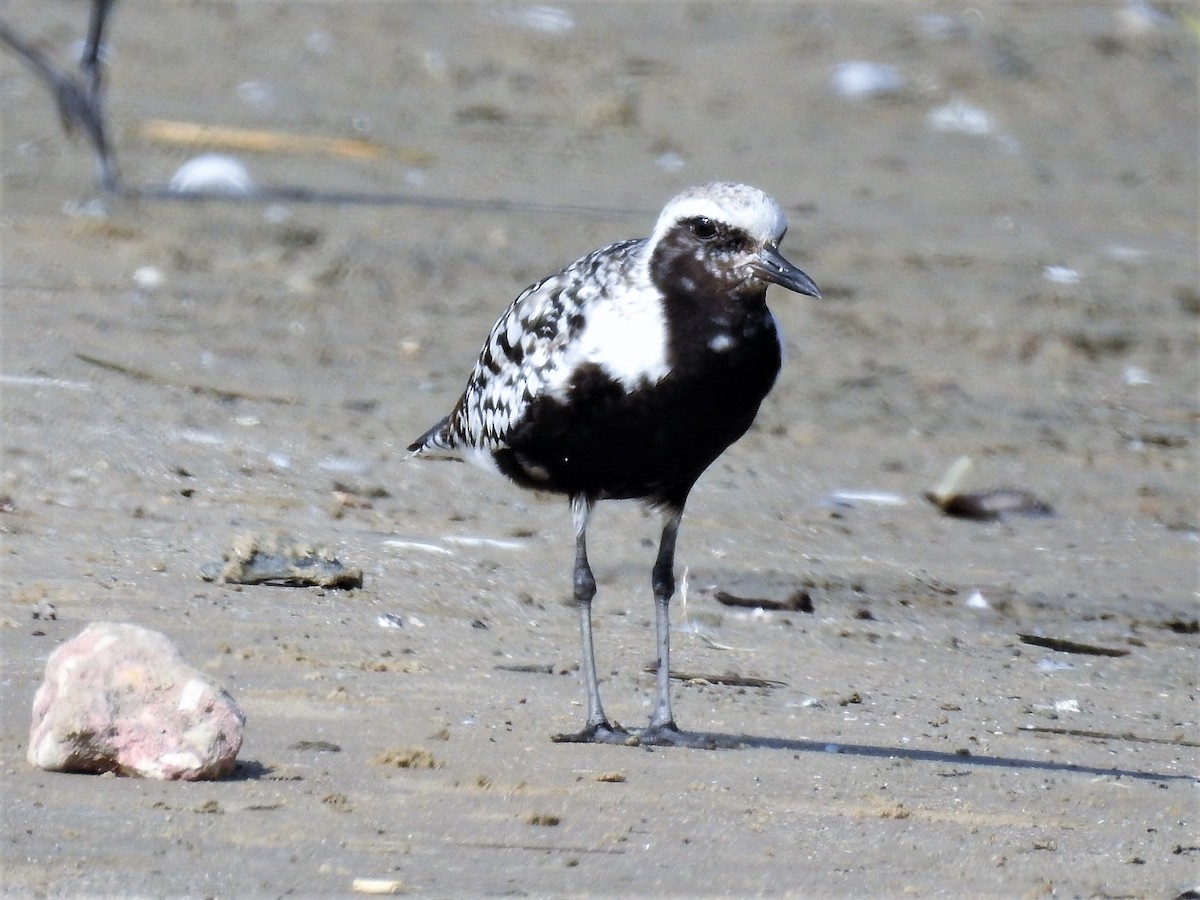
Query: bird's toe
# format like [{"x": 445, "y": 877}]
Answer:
[{"x": 601, "y": 733}]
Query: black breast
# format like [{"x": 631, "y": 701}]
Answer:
[{"x": 653, "y": 442}]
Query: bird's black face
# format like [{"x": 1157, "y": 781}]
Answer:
[{"x": 704, "y": 255}]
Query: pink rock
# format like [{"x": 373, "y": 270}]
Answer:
[{"x": 120, "y": 698}]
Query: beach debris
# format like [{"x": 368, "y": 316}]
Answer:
[
  {"x": 858, "y": 79},
  {"x": 1176, "y": 741},
  {"x": 730, "y": 679},
  {"x": 799, "y": 601},
  {"x": 1182, "y": 626},
  {"x": 463, "y": 540},
  {"x": 851, "y": 499},
  {"x": 983, "y": 506},
  {"x": 376, "y": 886},
  {"x": 1135, "y": 376},
  {"x": 213, "y": 174},
  {"x": 422, "y": 546},
  {"x": 389, "y": 620},
  {"x": 1065, "y": 646},
  {"x": 44, "y": 610},
  {"x": 280, "y": 560},
  {"x": 251, "y": 140},
  {"x": 1061, "y": 275},
  {"x": 149, "y": 278},
  {"x": 976, "y": 600},
  {"x": 120, "y": 698},
  {"x": 959, "y": 117}
]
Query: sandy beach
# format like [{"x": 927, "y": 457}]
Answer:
[{"x": 1006, "y": 242}]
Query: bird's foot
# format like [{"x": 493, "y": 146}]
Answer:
[
  {"x": 599, "y": 733},
  {"x": 669, "y": 735}
]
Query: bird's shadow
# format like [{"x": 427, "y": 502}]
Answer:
[
  {"x": 252, "y": 770},
  {"x": 718, "y": 741}
]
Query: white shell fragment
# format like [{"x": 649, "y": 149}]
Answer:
[
  {"x": 977, "y": 601},
  {"x": 1061, "y": 275},
  {"x": 213, "y": 173},
  {"x": 376, "y": 886},
  {"x": 856, "y": 80},
  {"x": 864, "y": 498},
  {"x": 148, "y": 278},
  {"x": 959, "y": 117}
]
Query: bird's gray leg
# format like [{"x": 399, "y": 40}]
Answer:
[
  {"x": 90, "y": 65},
  {"x": 662, "y": 730},
  {"x": 585, "y": 590},
  {"x": 597, "y": 729},
  {"x": 663, "y": 582},
  {"x": 78, "y": 104}
]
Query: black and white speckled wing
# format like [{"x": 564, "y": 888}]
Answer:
[{"x": 533, "y": 349}]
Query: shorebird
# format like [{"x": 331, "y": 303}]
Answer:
[
  {"x": 79, "y": 103},
  {"x": 624, "y": 376}
]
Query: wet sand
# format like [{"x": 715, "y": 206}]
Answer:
[{"x": 177, "y": 374}]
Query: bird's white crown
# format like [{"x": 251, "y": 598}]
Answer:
[{"x": 737, "y": 205}]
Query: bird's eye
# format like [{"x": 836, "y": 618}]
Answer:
[{"x": 704, "y": 228}]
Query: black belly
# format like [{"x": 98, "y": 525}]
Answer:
[{"x": 651, "y": 443}]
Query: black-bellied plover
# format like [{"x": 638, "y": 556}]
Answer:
[{"x": 623, "y": 377}]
